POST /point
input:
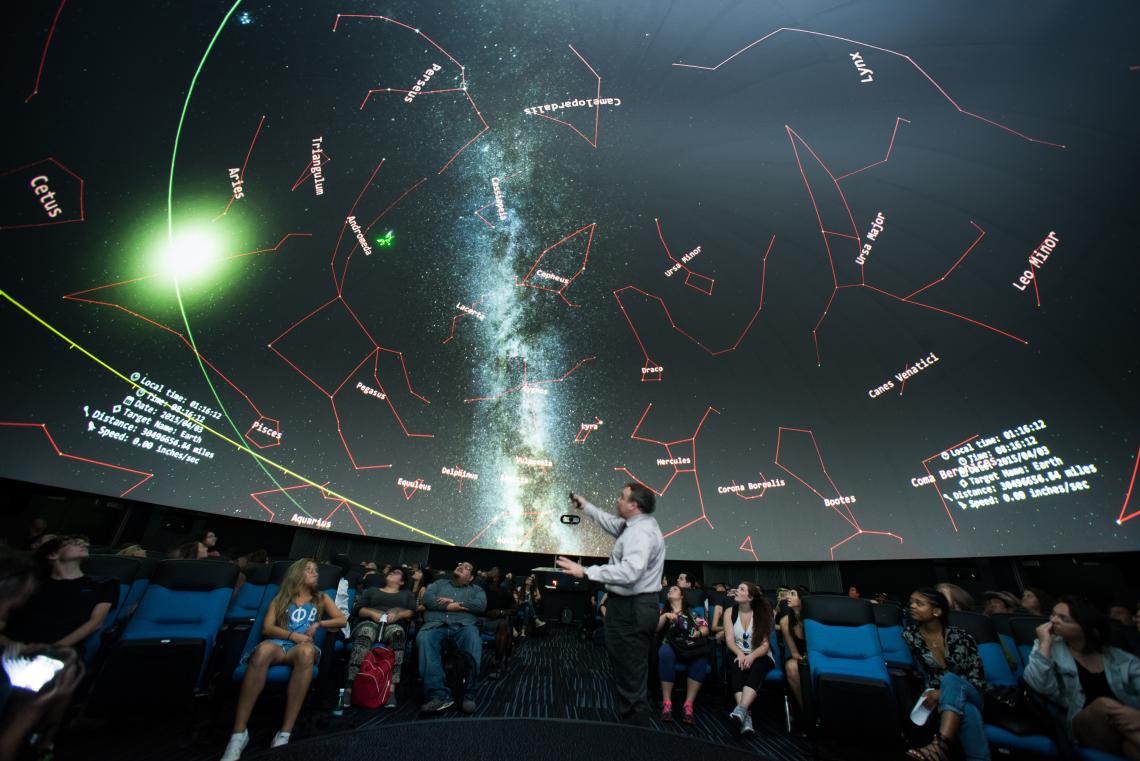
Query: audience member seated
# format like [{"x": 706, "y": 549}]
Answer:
[
  {"x": 853, "y": 592},
  {"x": 68, "y": 606},
  {"x": 1123, "y": 632},
  {"x": 37, "y": 531},
  {"x": 451, "y": 606},
  {"x": 792, "y": 631},
  {"x": 210, "y": 541},
  {"x": 501, "y": 608},
  {"x": 947, "y": 657},
  {"x": 25, "y": 714},
  {"x": 1000, "y": 602},
  {"x": 132, "y": 551},
  {"x": 1036, "y": 601},
  {"x": 686, "y": 640},
  {"x": 192, "y": 551},
  {"x": 958, "y": 598},
  {"x": 720, "y": 604},
  {"x": 746, "y": 626},
  {"x": 1097, "y": 686},
  {"x": 294, "y": 616},
  {"x": 382, "y": 617},
  {"x": 528, "y": 597}
]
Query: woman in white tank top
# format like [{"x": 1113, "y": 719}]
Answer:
[{"x": 750, "y": 621}]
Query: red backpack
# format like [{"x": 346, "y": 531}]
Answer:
[{"x": 373, "y": 684}]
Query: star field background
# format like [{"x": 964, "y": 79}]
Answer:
[{"x": 1004, "y": 124}]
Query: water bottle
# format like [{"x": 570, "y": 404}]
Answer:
[{"x": 339, "y": 710}]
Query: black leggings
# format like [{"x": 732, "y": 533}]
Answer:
[{"x": 753, "y": 677}]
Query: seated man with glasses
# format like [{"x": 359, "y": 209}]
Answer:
[{"x": 451, "y": 607}]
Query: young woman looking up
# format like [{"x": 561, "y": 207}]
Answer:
[
  {"x": 294, "y": 617},
  {"x": 746, "y": 628}
]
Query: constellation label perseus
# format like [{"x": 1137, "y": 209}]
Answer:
[{"x": 803, "y": 275}]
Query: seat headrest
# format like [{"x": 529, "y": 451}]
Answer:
[
  {"x": 1024, "y": 628},
  {"x": 980, "y": 627},
  {"x": 328, "y": 576},
  {"x": 838, "y": 610},
  {"x": 113, "y": 567},
  {"x": 258, "y": 573},
  {"x": 887, "y": 614},
  {"x": 194, "y": 575}
]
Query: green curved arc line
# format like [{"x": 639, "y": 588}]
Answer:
[
  {"x": 236, "y": 444},
  {"x": 170, "y": 240}
]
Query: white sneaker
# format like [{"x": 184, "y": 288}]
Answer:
[
  {"x": 279, "y": 739},
  {"x": 738, "y": 715},
  {"x": 237, "y": 744},
  {"x": 746, "y": 727}
]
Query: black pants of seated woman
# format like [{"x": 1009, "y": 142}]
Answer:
[{"x": 753, "y": 677}]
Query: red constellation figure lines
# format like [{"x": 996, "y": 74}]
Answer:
[
  {"x": 746, "y": 546},
  {"x": 890, "y": 147},
  {"x": 374, "y": 349},
  {"x": 597, "y": 105},
  {"x": 494, "y": 201},
  {"x": 469, "y": 311},
  {"x": 241, "y": 174},
  {"x": 307, "y": 172},
  {"x": 839, "y": 504},
  {"x": 462, "y": 79},
  {"x": 325, "y": 494},
  {"x": 934, "y": 483},
  {"x": 519, "y": 542},
  {"x": 82, "y": 215},
  {"x": 764, "y": 484},
  {"x": 80, "y": 296},
  {"x": 680, "y": 265},
  {"x": 43, "y": 428},
  {"x": 854, "y": 235},
  {"x": 905, "y": 57},
  {"x": 1124, "y": 518},
  {"x": 689, "y": 460},
  {"x": 585, "y": 429},
  {"x": 43, "y": 56},
  {"x": 529, "y": 386},
  {"x": 563, "y": 281},
  {"x": 652, "y": 371},
  {"x": 359, "y": 234}
]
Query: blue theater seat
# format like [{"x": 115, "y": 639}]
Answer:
[
  {"x": 247, "y": 601},
  {"x": 328, "y": 578},
  {"x": 107, "y": 568},
  {"x": 166, "y": 645},
  {"x": 847, "y": 689},
  {"x": 138, "y": 588},
  {"x": 1005, "y": 635},
  {"x": 1024, "y": 632},
  {"x": 997, "y": 672},
  {"x": 889, "y": 622}
]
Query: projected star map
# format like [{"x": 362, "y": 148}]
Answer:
[{"x": 835, "y": 281}]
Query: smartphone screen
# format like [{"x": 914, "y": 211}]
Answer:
[{"x": 31, "y": 673}]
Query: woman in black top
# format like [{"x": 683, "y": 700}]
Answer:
[
  {"x": 792, "y": 632},
  {"x": 950, "y": 665}
]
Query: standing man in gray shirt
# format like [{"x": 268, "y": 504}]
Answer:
[
  {"x": 451, "y": 606},
  {"x": 632, "y": 578}
]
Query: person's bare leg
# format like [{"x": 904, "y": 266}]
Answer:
[
  {"x": 691, "y": 690},
  {"x": 1092, "y": 727},
  {"x": 301, "y": 658},
  {"x": 948, "y": 724},
  {"x": 746, "y": 697},
  {"x": 792, "y": 673},
  {"x": 265, "y": 655}
]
